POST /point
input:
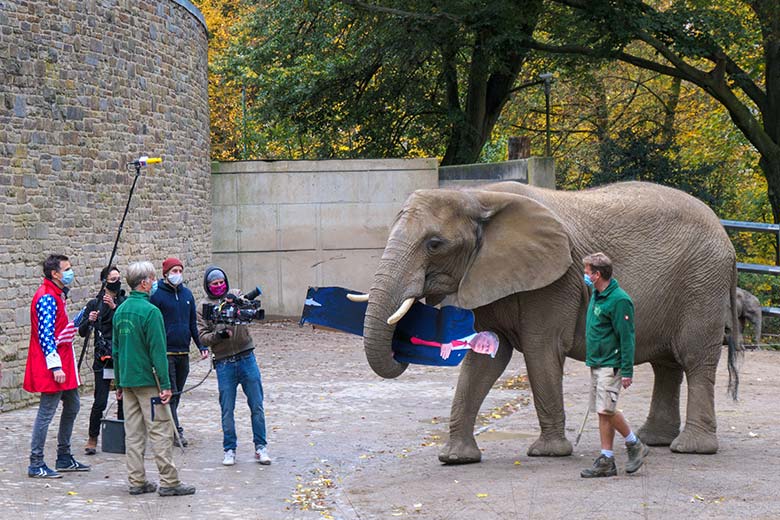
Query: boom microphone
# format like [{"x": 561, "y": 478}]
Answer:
[{"x": 144, "y": 161}]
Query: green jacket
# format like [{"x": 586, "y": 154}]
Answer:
[
  {"x": 139, "y": 343},
  {"x": 609, "y": 332}
]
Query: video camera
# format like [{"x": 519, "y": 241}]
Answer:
[{"x": 235, "y": 310}]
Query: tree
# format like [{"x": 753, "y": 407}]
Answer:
[
  {"x": 352, "y": 79},
  {"x": 729, "y": 49}
]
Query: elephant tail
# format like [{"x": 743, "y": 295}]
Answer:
[{"x": 736, "y": 349}]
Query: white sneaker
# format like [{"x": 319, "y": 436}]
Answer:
[
  {"x": 261, "y": 456},
  {"x": 230, "y": 458}
]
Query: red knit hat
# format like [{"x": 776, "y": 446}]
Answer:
[{"x": 170, "y": 263}]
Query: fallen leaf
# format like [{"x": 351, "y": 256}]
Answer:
[
  {"x": 71, "y": 493},
  {"x": 517, "y": 463},
  {"x": 752, "y": 435},
  {"x": 482, "y": 495}
]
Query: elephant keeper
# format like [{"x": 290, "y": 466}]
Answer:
[
  {"x": 139, "y": 350},
  {"x": 609, "y": 343}
]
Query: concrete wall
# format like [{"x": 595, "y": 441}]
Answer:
[
  {"x": 86, "y": 87},
  {"x": 537, "y": 171},
  {"x": 288, "y": 225}
]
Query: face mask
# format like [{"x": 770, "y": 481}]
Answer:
[
  {"x": 154, "y": 288},
  {"x": 67, "y": 277},
  {"x": 175, "y": 279},
  {"x": 114, "y": 286},
  {"x": 588, "y": 281},
  {"x": 218, "y": 290}
]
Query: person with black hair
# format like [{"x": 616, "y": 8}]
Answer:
[
  {"x": 51, "y": 368},
  {"x": 100, "y": 316}
]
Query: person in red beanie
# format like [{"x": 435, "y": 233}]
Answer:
[{"x": 177, "y": 305}]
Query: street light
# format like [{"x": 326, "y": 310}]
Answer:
[{"x": 547, "y": 79}]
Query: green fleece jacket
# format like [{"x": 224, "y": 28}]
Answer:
[
  {"x": 139, "y": 343},
  {"x": 609, "y": 333}
]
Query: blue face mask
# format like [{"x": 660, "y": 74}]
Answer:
[
  {"x": 588, "y": 281},
  {"x": 154, "y": 288},
  {"x": 67, "y": 277}
]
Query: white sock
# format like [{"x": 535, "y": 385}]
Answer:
[
  {"x": 608, "y": 453},
  {"x": 631, "y": 439}
]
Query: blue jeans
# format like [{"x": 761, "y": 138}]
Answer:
[
  {"x": 231, "y": 372},
  {"x": 46, "y": 411}
]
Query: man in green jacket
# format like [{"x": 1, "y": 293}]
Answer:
[
  {"x": 609, "y": 344},
  {"x": 139, "y": 349}
]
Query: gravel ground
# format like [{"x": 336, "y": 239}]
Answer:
[{"x": 346, "y": 444}]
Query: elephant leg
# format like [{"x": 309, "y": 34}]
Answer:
[
  {"x": 663, "y": 421},
  {"x": 699, "y": 433},
  {"x": 477, "y": 376},
  {"x": 545, "y": 373}
]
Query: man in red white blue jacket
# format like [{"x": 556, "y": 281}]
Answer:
[{"x": 51, "y": 368}]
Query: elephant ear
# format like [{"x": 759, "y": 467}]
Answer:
[{"x": 523, "y": 247}]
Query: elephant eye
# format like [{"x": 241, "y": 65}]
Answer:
[{"x": 434, "y": 244}]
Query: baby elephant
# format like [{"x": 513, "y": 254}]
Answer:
[{"x": 748, "y": 309}]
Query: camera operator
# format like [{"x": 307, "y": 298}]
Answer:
[
  {"x": 234, "y": 361},
  {"x": 100, "y": 316}
]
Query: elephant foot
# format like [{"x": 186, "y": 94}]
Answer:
[
  {"x": 658, "y": 436},
  {"x": 695, "y": 442},
  {"x": 550, "y": 447},
  {"x": 460, "y": 452}
]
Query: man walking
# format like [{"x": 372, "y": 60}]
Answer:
[
  {"x": 609, "y": 343},
  {"x": 177, "y": 305},
  {"x": 140, "y": 365},
  {"x": 51, "y": 368}
]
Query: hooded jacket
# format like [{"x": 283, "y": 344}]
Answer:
[
  {"x": 177, "y": 305},
  {"x": 238, "y": 343}
]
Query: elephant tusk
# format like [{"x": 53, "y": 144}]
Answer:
[
  {"x": 357, "y": 297},
  {"x": 401, "y": 312}
]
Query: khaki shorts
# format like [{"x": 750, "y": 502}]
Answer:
[{"x": 605, "y": 384}]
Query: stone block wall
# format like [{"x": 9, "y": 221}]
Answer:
[
  {"x": 288, "y": 225},
  {"x": 88, "y": 85}
]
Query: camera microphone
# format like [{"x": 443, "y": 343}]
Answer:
[
  {"x": 145, "y": 161},
  {"x": 254, "y": 293}
]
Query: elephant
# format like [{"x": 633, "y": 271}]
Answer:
[
  {"x": 513, "y": 254},
  {"x": 748, "y": 309}
]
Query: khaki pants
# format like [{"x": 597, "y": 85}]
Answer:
[
  {"x": 139, "y": 424},
  {"x": 605, "y": 385}
]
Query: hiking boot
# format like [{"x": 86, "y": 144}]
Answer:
[
  {"x": 42, "y": 472},
  {"x": 148, "y": 487},
  {"x": 603, "y": 466},
  {"x": 261, "y": 456},
  {"x": 91, "y": 446},
  {"x": 184, "y": 443},
  {"x": 181, "y": 489},
  {"x": 68, "y": 463},
  {"x": 636, "y": 455},
  {"x": 230, "y": 458}
]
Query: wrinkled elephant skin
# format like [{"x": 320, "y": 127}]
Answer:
[{"x": 513, "y": 253}]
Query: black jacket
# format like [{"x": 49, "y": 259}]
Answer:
[{"x": 102, "y": 333}]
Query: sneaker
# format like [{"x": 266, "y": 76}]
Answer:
[
  {"x": 91, "y": 447},
  {"x": 148, "y": 487},
  {"x": 230, "y": 458},
  {"x": 603, "y": 466},
  {"x": 636, "y": 455},
  {"x": 181, "y": 489},
  {"x": 261, "y": 456},
  {"x": 42, "y": 472},
  {"x": 68, "y": 463}
]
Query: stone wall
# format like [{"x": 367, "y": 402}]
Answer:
[{"x": 89, "y": 85}]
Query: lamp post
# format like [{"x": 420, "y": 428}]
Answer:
[{"x": 547, "y": 79}]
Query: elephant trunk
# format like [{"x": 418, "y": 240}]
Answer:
[{"x": 387, "y": 294}]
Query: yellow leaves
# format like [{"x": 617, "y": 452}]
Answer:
[
  {"x": 71, "y": 493},
  {"x": 482, "y": 495}
]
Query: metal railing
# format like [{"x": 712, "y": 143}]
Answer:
[{"x": 773, "y": 270}]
